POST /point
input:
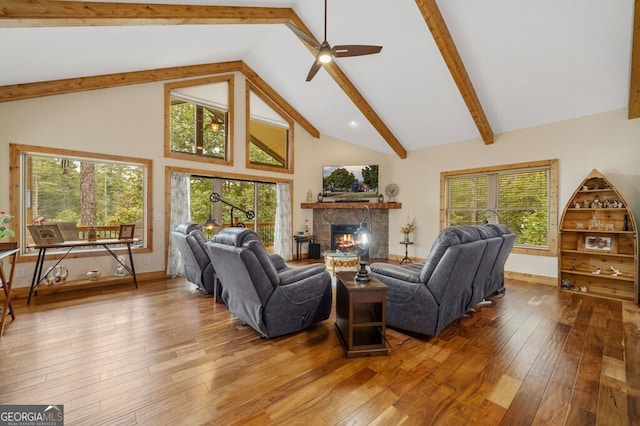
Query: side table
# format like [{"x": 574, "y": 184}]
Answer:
[
  {"x": 299, "y": 240},
  {"x": 406, "y": 258},
  {"x": 7, "y": 306},
  {"x": 361, "y": 315}
]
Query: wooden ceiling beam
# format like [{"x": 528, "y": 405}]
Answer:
[
  {"x": 444, "y": 41},
  {"x": 48, "y": 13},
  {"x": 17, "y": 92},
  {"x": 634, "y": 84},
  {"x": 356, "y": 97}
]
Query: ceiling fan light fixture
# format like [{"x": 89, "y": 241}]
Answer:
[{"x": 325, "y": 55}]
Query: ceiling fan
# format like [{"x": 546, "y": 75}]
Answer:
[{"x": 325, "y": 52}]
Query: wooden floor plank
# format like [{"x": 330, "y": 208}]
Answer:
[{"x": 166, "y": 354}]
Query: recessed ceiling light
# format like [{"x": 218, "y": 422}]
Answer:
[{"x": 354, "y": 123}]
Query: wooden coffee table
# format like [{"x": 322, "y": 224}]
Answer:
[{"x": 361, "y": 315}]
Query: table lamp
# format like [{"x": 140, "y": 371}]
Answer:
[{"x": 363, "y": 242}]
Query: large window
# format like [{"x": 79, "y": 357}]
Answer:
[
  {"x": 237, "y": 197},
  {"x": 269, "y": 134},
  {"x": 199, "y": 119},
  {"x": 520, "y": 196},
  {"x": 82, "y": 189}
]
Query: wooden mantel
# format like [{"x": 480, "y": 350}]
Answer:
[{"x": 333, "y": 205}]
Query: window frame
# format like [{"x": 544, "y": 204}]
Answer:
[
  {"x": 552, "y": 165},
  {"x": 17, "y": 199},
  {"x": 288, "y": 167},
  {"x": 228, "y": 155}
]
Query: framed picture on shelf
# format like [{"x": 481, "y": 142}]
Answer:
[
  {"x": 45, "y": 234},
  {"x": 126, "y": 232},
  {"x": 594, "y": 242}
]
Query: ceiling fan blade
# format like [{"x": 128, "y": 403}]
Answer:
[
  {"x": 304, "y": 36},
  {"x": 314, "y": 69},
  {"x": 355, "y": 50}
]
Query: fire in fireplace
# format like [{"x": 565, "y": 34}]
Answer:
[{"x": 342, "y": 238}]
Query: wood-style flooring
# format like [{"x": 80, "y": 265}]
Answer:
[{"x": 166, "y": 355}]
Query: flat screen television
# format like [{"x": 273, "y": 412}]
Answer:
[{"x": 350, "y": 181}]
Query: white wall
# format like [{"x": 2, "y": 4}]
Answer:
[
  {"x": 129, "y": 121},
  {"x": 607, "y": 142},
  {"x": 328, "y": 151}
]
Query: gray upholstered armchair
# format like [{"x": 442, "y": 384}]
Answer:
[
  {"x": 191, "y": 240},
  {"x": 262, "y": 291},
  {"x": 465, "y": 265}
]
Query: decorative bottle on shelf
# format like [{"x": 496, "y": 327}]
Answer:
[
  {"x": 594, "y": 223},
  {"x": 625, "y": 224}
]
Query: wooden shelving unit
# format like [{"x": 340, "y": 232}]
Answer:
[{"x": 598, "y": 242}]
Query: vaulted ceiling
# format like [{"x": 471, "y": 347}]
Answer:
[{"x": 448, "y": 71}]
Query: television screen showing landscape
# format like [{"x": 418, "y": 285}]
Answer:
[{"x": 350, "y": 181}]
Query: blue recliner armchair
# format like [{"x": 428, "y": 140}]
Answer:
[
  {"x": 465, "y": 266},
  {"x": 198, "y": 270},
  {"x": 262, "y": 291}
]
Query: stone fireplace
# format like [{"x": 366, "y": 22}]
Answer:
[{"x": 326, "y": 214}]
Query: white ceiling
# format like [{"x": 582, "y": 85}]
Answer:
[{"x": 531, "y": 63}]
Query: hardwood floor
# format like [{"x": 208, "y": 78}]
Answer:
[{"x": 164, "y": 354}]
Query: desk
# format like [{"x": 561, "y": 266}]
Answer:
[
  {"x": 70, "y": 245},
  {"x": 7, "y": 306},
  {"x": 299, "y": 240}
]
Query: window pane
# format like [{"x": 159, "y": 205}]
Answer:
[
  {"x": 196, "y": 129},
  {"x": 267, "y": 144},
  {"x": 198, "y": 117},
  {"x": 269, "y": 136},
  {"x": 85, "y": 191},
  {"x": 266, "y": 212},
  {"x": 523, "y": 205},
  {"x": 200, "y": 205},
  {"x": 519, "y": 199},
  {"x": 239, "y": 196},
  {"x": 468, "y": 199}
]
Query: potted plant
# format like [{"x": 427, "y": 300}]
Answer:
[{"x": 5, "y": 219}]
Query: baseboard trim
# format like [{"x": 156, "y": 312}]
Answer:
[
  {"x": 531, "y": 278},
  {"x": 23, "y": 292}
]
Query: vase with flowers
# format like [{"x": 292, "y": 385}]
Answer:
[{"x": 408, "y": 229}]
